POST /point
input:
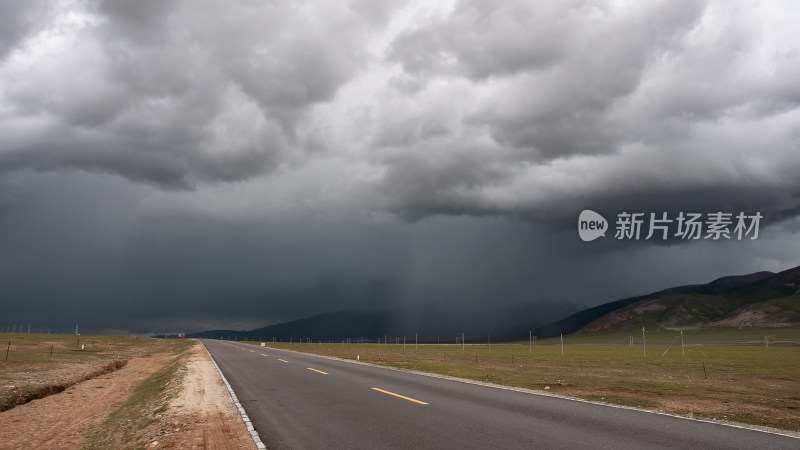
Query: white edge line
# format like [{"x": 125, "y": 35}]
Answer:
[
  {"x": 253, "y": 432},
  {"x": 762, "y": 429}
]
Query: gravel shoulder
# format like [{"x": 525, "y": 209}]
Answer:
[{"x": 203, "y": 414}]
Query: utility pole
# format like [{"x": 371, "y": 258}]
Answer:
[
  {"x": 644, "y": 345},
  {"x": 683, "y": 351},
  {"x": 530, "y": 341},
  {"x": 562, "y": 343},
  {"x": 462, "y": 341}
]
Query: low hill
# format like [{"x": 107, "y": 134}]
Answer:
[
  {"x": 770, "y": 301},
  {"x": 583, "y": 318}
]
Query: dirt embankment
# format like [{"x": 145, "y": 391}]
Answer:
[
  {"x": 62, "y": 420},
  {"x": 41, "y": 389},
  {"x": 201, "y": 414}
]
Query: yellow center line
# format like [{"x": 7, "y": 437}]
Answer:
[
  {"x": 318, "y": 371},
  {"x": 401, "y": 396},
  {"x": 252, "y": 351},
  {"x": 282, "y": 360},
  {"x": 264, "y": 354}
]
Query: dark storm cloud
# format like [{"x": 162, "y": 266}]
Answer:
[
  {"x": 562, "y": 68},
  {"x": 481, "y": 40},
  {"x": 588, "y": 103},
  {"x": 514, "y": 108},
  {"x": 175, "y": 93},
  {"x": 17, "y": 21},
  {"x": 199, "y": 164},
  {"x": 84, "y": 249}
]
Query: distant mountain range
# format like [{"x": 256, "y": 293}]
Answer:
[
  {"x": 430, "y": 322},
  {"x": 757, "y": 299}
]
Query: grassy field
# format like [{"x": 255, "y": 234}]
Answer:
[
  {"x": 52, "y": 348},
  {"x": 724, "y": 374},
  {"x": 35, "y": 365}
]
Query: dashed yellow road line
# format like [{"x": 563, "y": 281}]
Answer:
[
  {"x": 264, "y": 354},
  {"x": 282, "y": 360},
  {"x": 252, "y": 351},
  {"x": 318, "y": 371},
  {"x": 400, "y": 396}
]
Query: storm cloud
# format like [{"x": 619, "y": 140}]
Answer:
[{"x": 204, "y": 164}]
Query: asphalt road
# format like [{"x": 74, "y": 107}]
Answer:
[{"x": 303, "y": 401}]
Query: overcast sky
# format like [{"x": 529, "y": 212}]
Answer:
[{"x": 183, "y": 165}]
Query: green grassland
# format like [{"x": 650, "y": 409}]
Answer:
[{"x": 725, "y": 374}]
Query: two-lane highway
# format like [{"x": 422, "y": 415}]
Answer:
[{"x": 304, "y": 401}]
